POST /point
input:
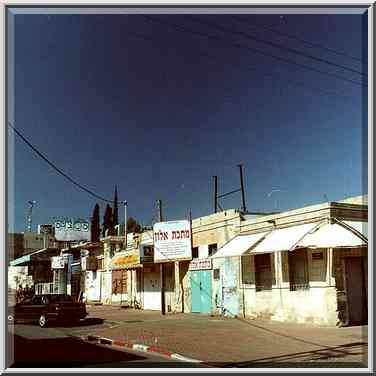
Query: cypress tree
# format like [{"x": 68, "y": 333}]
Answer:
[
  {"x": 107, "y": 219},
  {"x": 95, "y": 225}
]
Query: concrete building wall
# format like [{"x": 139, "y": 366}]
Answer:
[
  {"x": 317, "y": 304},
  {"x": 186, "y": 286},
  {"x": 226, "y": 292},
  {"x": 216, "y": 228}
]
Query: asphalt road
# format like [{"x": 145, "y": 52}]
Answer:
[{"x": 55, "y": 347}]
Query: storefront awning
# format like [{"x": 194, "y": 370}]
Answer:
[
  {"x": 126, "y": 260},
  {"x": 239, "y": 245},
  {"x": 332, "y": 235},
  {"x": 40, "y": 255},
  {"x": 284, "y": 239},
  {"x": 20, "y": 261}
]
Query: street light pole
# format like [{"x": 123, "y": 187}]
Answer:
[{"x": 125, "y": 223}]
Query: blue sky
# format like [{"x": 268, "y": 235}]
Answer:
[{"x": 126, "y": 100}]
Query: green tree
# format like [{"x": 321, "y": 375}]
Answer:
[{"x": 95, "y": 225}]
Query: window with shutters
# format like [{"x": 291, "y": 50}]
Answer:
[{"x": 263, "y": 272}]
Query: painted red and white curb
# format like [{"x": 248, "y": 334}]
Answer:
[{"x": 138, "y": 347}]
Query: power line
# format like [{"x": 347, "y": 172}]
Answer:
[
  {"x": 273, "y": 44},
  {"x": 309, "y": 43},
  {"x": 55, "y": 167},
  {"x": 250, "y": 68},
  {"x": 242, "y": 46}
]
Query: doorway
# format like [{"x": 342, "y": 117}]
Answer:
[
  {"x": 201, "y": 285},
  {"x": 152, "y": 290},
  {"x": 355, "y": 289}
]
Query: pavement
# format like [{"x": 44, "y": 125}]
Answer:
[{"x": 227, "y": 342}]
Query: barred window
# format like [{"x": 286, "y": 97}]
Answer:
[
  {"x": 248, "y": 273},
  {"x": 298, "y": 268},
  {"x": 263, "y": 272}
]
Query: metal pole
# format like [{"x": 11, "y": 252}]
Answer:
[
  {"x": 125, "y": 224},
  {"x": 30, "y": 215},
  {"x": 242, "y": 186},
  {"x": 161, "y": 266},
  {"x": 215, "y": 193}
]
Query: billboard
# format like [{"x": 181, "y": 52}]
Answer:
[
  {"x": 46, "y": 229},
  {"x": 172, "y": 241},
  {"x": 69, "y": 229},
  {"x": 57, "y": 262}
]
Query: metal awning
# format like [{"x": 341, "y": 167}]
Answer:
[
  {"x": 284, "y": 239},
  {"x": 20, "y": 261},
  {"x": 360, "y": 226},
  {"x": 126, "y": 260},
  {"x": 239, "y": 245},
  {"x": 333, "y": 235},
  {"x": 40, "y": 255}
]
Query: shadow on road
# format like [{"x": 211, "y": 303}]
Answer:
[
  {"x": 91, "y": 321},
  {"x": 64, "y": 352},
  {"x": 70, "y": 352},
  {"x": 87, "y": 322},
  {"x": 326, "y": 358}
]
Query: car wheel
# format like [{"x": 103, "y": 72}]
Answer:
[
  {"x": 11, "y": 319},
  {"x": 42, "y": 321}
]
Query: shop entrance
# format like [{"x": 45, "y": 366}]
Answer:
[
  {"x": 152, "y": 290},
  {"x": 355, "y": 289},
  {"x": 201, "y": 285}
]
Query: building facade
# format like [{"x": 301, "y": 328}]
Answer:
[{"x": 305, "y": 265}]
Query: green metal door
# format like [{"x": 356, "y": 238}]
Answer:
[
  {"x": 201, "y": 285},
  {"x": 206, "y": 291}
]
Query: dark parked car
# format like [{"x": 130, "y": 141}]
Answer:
[{"x": 47, "y": 308}]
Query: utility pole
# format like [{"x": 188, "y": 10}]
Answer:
[
  {"x": 215, "y": 193},
  {"x": 125, "y": 224},
  {"x": 242, "y": 186},
  {"x": 30, "y": 215},
  {"x": 161, "y": 266}
]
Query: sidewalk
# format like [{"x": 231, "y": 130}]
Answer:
[{"x": 235, "y": 342}]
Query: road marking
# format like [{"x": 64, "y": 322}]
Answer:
[
  {"x": 137, "y": 346},
  {"x": 184, "y": 358}
]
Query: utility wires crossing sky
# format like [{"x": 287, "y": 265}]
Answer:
[
  {"x": 273, "y": 44},
  {"x": 290, "y": 36},
  {"x": 57, "y": 169},
  {"x": 217, "y": 38}
]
